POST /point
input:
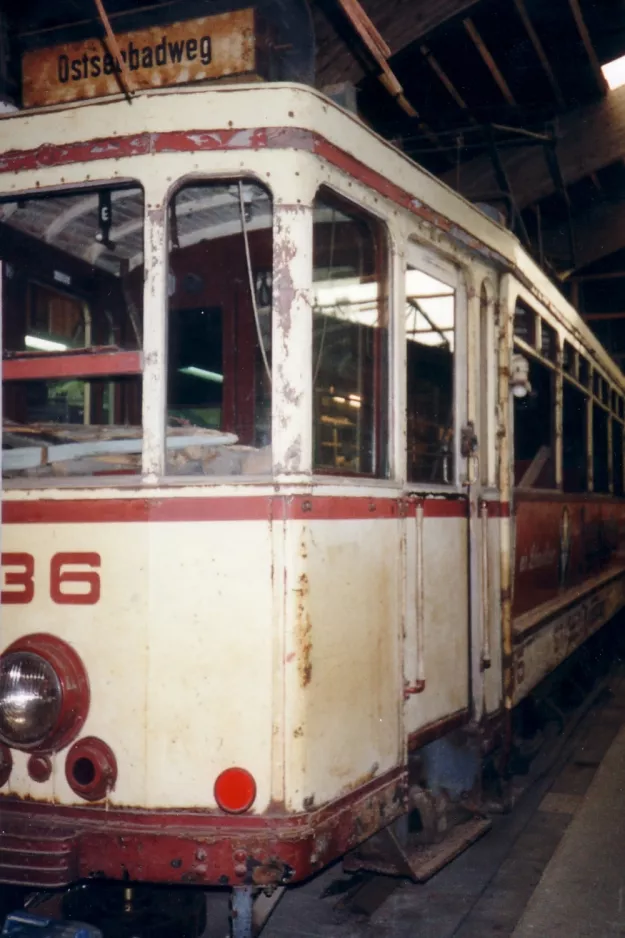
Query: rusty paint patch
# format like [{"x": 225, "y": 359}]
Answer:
[
  {"x": 362, "y": 780},
  {"x": 436, "y": 730},
  {"x": 192, "y": 141},
  {"x": 15, "y": 161},
  {"x": 205, "y": 848},
  {"x": 303, "y": 632},
  {"x": 284, "y": 251}
]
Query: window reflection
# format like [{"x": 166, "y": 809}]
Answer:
[
  {"x": 350, "y": 340},
  {"x": 219, "y": 343},
  {"x": 430, "y": 341},
  {"x": 73, "y": 306}
]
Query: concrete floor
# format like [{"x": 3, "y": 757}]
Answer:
[{"x": 582, "y": 892}]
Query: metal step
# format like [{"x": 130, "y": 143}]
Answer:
[{"x": 383, "y": 853}]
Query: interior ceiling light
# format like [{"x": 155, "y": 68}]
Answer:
[
  {"x": 614, "y": 72},
  {"x": 44, "y": 345},
  {"x": 202, "y": 373}
]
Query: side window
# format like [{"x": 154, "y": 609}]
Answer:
[
  {"x": 600, "y": 465},
  {"x": 617, "y": 456},
  {"x": 219, "y": 341},
  {"x": 350, "y": 340},
  {"x": 574, "y": 438},
  {"x": 430, "y": 342},
  {"x": 534, "y": 414}
]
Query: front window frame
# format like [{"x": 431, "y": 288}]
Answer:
[
  {"x": 89, "y": 364},
  {"x": 185, "y": 181}
]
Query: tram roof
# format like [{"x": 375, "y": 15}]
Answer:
[{"x": 236, "y": 112}]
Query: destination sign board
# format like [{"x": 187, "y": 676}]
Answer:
[{"x": 201, "y": 49}]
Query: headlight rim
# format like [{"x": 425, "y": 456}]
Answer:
[{"x": 75, "y": 690}]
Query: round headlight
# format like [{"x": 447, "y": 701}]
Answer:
[
  {"x": 44, "y": 694},
  {"x": 30, "y": 699}
]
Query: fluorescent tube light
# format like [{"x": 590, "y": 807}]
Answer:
[
  {"x": 202, "y": 373},
  {"x": 44, "y": 345}
]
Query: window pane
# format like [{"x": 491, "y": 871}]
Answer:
[
  {"x": 574, "y": 448},
  {"x": 600, "y": 468},
  {"x": 534, "y": 465},
  {"x": 73, "y": 287},
  {"x": 430, "y": 335},
  {"x": 569, "y": 359},
  {"x": 617, "y": 457},
  {"x": 525, "y": 323},
  {"x": 584, "y": 372},
  {"x": 548, "y": 341},
  {"x": 350, "y": 340},
  {"x": 219, "y": 344}
]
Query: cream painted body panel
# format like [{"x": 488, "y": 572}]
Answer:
[
  {"x": 491, "y": 675},
  {"x": 445, "y": 665},
  {"x": 343, "y": 680},
  {"x": 178, "y": 651}
]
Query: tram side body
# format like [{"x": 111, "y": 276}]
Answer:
[{"x": 258, "y": 632}]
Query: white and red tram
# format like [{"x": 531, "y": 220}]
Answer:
[{"x": 285, "y": 530}]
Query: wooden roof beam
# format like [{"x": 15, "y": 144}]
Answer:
[
  {"x": 589, "y": 138},
  {"x": 400, "y": 21},
  {"x": 489, "y": 61},
  {"x": 590, "y": 49},
  {"x": 596, "y": 278},
  {"x": 445, "y": 80},
  {"x": 539, "y": 50},
  {"x": 596, "y": 317}
]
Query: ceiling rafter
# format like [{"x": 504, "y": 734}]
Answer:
[
  {"x": 78, "y": 210},
  {"x": 590, "y": 49},
  {"x": 445, "y": 80},
  {"x": 401, "y": 22},
  {"x": 589, "y": 138},
  {"x": 489, "y": 61},
  {"x": 539, "y": 50}
]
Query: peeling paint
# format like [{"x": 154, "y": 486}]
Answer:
[{"x": 303, "y": 632}]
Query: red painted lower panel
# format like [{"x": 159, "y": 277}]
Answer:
[
  {"x": 563, "y": 542},
  {"x": 50, "y": 846}
]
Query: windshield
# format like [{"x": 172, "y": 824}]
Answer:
[
  {"x": 219, "y": 326},
  {"x": 72, "y": 290}
]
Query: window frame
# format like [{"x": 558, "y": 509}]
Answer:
[
  {"x": 423, "y": 257},
  {"x": 89, "y": 363},
  {"x": 363, "y": 208},
  {"x": 188, "y": 180},
  {"x": 534, "y": 351}
]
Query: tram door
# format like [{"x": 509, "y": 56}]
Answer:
[{"x": 437, "y": 550}]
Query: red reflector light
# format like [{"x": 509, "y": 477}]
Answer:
[{"x": 235, "y": 790}]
